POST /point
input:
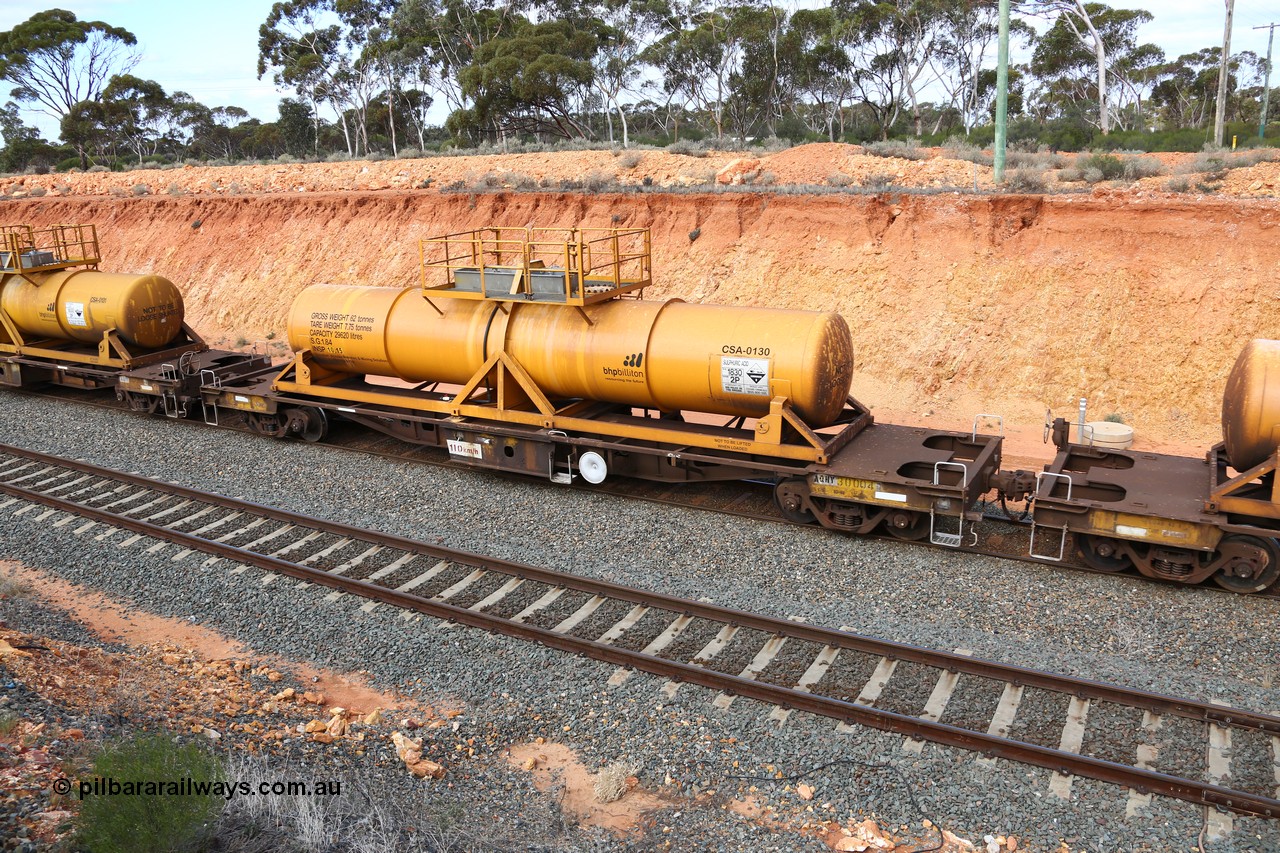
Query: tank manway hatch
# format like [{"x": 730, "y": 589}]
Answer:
[{"x": 564, "y": 266}]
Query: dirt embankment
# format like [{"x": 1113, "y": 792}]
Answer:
[
  {"x": 805, "y": 165},
  {"x": 958, "y": 304}
]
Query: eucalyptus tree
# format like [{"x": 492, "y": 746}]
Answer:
[
  {"x": 529, "y": 81},
  {"x": 762, "y": 86},
  {"x": 23, "y": 146},
  {"x": 302, "y": 52},
  {"x": 318, "y": 47},
  {"x": 822, "y": 70},
  {"x": 699, "y": 61},
  {"x": 967, "y": 32},
  {"x": 56, "y": 61},
  {"x": 1186, "y": 92},
  {"x": 137, "y": 114},
  {"x": 891, "y": 46},
  {"x": 213, "y": 132},
  {"x": 1088, "y": 40},
  {"x": 629, "y": 26}
]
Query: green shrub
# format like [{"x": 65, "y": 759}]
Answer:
[
  {"x": 895, "y": 148},
  {"x": 1109, "y": 166},
  {"x": 98, "y": 167},
  {"x": 1034, "y": 159},
  {"x": 879, "y": 181},
  {"x": 838, "y": 179},
  {"x": 597, "y": 181},
  {"x": 1026, "y": 180},
  {"x": 1142, "y": 167},
  {"x": 143, "y": 823},
  {"x": 959, "y": 148},
  {"x": 1177, "y": 185},
  {"x": 772, "y": 144},
  {"x": 688, "y": 148}
]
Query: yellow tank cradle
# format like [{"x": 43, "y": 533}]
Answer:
[
  {"x": 566, "y": 266},
  {"x": 24, "y": 249}
]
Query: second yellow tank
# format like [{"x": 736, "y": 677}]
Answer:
[
  {"x": 670, "y": 355},
  {"x": 1251, "y": 405}
]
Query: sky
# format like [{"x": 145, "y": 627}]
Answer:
[{"x": 209, "y": 48}]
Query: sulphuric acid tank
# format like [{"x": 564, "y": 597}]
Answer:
[
  {"x": 659, "y": 355},
  {"x": 82, "y": 305},
  {"x": 1251, "y": 405}
]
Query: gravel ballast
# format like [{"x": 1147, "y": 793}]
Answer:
[{"x": 1188, "y": 642}]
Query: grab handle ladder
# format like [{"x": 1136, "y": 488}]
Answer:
[
  {"x": 209, "y": 379},
  {"x": 942, "y": 537},
  {"x": 1062, "y": 540}
]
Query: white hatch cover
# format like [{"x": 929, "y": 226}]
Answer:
[{"x": 592, "y": 467}]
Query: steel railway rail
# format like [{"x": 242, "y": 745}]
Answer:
[
  {"x": 742, "y": 500},
  {"x": 480, "y": 592}
]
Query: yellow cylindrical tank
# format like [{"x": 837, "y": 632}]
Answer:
[
  {"x": 81, "y": 305},
  {"x": 1251, "y": 405},
  {"x": 660, "y": 355}
]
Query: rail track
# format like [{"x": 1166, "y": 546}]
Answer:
[
  {"x": 1035, "y": 718},
  {"x": 744, "y": 500}
]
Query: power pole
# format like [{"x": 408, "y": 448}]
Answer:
[
  {"x": 1266, "y": 84},
  {"x": 1002, "y": 94},
  {"x": 1221, "y": 114}
]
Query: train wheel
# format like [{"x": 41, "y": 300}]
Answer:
[
  {"x": 1252, "y": 564},
  {"x": 1101, "y": 553},
  {"x": 905, "y": 524},
  {"x": 307, "y": 423},
  {"x": 789, "y": 496}
]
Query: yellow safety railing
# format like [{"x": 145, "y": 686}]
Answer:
[
  {"x": 594, "y": 263},
  {"x": 26, "y": 249}
]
